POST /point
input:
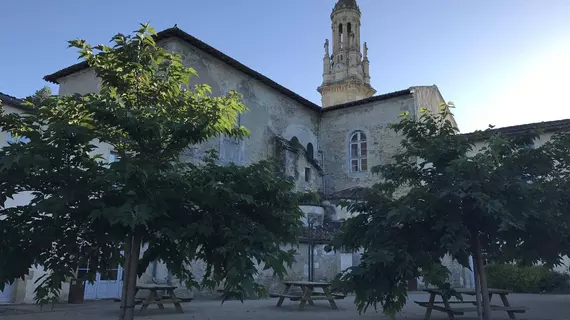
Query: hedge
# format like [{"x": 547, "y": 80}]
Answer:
[{"x": 535, "y": 279}]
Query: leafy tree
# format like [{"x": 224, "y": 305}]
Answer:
[
  {"x": 88, "y": 210},
  {"x": 441, "y": 195},
  {"x": 38, "y": 97}
]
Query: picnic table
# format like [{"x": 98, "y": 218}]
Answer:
[
  {"x": 452, "y": 311},
  {"x": 308, "y": 293},
  {"x": 154, "y": 298}
]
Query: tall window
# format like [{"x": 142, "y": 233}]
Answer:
[
  {"x": 341, "y": 35},
  {"x": 310, "y": 150},
  {"x": 358, "y": 152}
]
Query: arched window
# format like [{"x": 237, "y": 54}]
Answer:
[
  {"x": 341, "y": 35},
  {"x": 358, "y": 152},
  {"x": 310, "y": 150}
]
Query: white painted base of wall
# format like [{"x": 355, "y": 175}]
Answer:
[
  {"x": 104, "y": 289},
  {"x": 6, "y": 295},
  {"x": 345, "y": 261}
]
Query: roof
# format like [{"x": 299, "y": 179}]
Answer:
[
  {"x": 178, "y": 33},
  {"x": 545, "y": 126},
  {"x": 350, "y": 193},
  {"x": 321, "y": 234},
  {"x": 11, "y": 100},
  {"x": 385, "y": 96},
  {"x": 346, "y": 4}
]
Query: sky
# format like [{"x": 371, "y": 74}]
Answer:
[{"x": 501, "y": 62}]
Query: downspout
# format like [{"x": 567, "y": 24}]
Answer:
[
  {"x": 310, "y": 253},
  {"x": 319, "y": 120}
]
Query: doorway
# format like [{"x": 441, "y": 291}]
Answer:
[{"x": 107, "y": 285}]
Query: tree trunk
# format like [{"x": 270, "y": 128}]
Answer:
[
  {"x": 483, "y": 280},
  {"x": 132, "y": 278},
  {"x": 477, "y": 289},
  {"x": 126, "y": 263}
]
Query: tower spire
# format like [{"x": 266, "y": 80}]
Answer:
[{"x": 345, "y": 71}]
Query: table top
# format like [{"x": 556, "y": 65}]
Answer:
[
  {"x": 470, "y": 291},
  {"x": 151, "y": 286},
  {"x": 308, "y": 283}
]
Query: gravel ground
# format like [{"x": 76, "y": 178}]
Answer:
[{"x": 541, "y": 307}]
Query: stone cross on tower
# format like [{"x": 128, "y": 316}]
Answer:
[{"x": 346, "y": 74}]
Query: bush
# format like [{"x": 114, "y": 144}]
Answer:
[{"x": 526, "y": 279}]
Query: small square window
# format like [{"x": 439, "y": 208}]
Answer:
[{"x": 307, "y": 174}]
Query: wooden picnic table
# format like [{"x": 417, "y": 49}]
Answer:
[
  {"x": 154, "y": 298},
  {"x": 309, "y": 294},
  {"x": 452, "y": 311}
]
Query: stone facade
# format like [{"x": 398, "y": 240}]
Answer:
[{"x": 320, "y": 147}]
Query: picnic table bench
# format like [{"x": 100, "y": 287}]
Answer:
[
  {"x": 154, "y": 298},
  {"x": 308, "y": 293},
  {"x": 452, "y": 311}
]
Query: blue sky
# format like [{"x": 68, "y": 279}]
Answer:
[{"x": 502, "y": 62}]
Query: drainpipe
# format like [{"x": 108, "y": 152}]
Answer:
[
  {"x": 323, "y": 168},
  {"x": 311, "y": 253}
]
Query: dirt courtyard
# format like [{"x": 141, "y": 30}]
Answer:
[{"x": 541, "y": 307}]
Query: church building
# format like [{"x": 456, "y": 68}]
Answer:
[{"x": 328, "y": 148}]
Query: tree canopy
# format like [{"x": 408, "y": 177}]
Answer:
[
  {"x": 87, "y": 209},
  {"x": 485, "y": 195}
]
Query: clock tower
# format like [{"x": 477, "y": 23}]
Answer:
[{"x": 346, "y": 73}]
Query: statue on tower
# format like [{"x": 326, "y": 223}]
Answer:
[
  {"x": 365, "y": 51},
  {"x": 327, "y": 47}
]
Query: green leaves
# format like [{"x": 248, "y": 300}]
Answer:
[
  {"x": 83, "y": 206},
  {"x": 441, "y": 189}
]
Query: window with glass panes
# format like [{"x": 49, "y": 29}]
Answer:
[{"x": 358, "y": 152}]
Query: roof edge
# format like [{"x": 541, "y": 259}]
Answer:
[
  {"x": 546, "y": 126},
  {"x": 381, "y": 97},
  {"x": 178, "y": 33},
  {"x": 11, "y": 100}
]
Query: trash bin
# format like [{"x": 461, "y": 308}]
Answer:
[{"x": 76, "y": 291}]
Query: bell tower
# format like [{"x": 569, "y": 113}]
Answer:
[{"x": 346, "y": 72}]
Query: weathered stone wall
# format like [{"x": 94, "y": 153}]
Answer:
[
  {"x": 326, "y": 267},
  {"x": 373, "y": 119},
  {"x": 82, "y": 82},
  {"x": 430, "y": 98},
  {"x": 460, "y": 277},
  {"x": 269, "y": 114}
]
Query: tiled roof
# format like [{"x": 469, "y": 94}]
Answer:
[
  {"x": 321, "y": 234},
  {"x": 546, "y": 126},
  {"x": 380, "y": 97},
  {"x": 11, "y": 100},
  {"x": 350, "y": 193},
  {"x": 178, "y": 33}
]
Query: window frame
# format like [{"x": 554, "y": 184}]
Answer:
[{"x": 361, "y": 157}]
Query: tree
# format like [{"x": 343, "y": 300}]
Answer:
[
  {"x": 442, "y": 196},
  {"x": 86, "y": 209}
]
